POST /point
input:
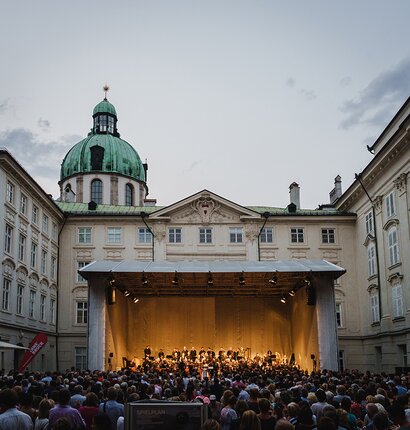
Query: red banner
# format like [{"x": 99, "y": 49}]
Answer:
[{"x": 33, "y": 349}]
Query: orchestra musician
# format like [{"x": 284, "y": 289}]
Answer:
[
  {"x": 147, "y": 351},
  {"x": 161, "y": 354},
  {"x": 192, "y": 354}
]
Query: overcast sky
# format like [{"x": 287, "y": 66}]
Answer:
[{"x": 239, "y": 97}]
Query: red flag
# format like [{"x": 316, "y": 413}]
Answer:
[{"x": 35, "y": 346}]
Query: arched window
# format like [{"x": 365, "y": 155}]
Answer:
[
  {"x": 129, "y": 195},
  {"x": 96, "y": 191}
]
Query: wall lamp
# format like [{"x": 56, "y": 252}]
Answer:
[
  {"x": 210, "y": 280},
  {"x": 242, "y": 279},
  {"x": 144, "y": 280},
  {"x": 175, "y": 281},
  {"x": 273, "y": 280}
]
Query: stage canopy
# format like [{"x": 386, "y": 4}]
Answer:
[
  {"x": 7, "y": 345},
  {"x": 210, "y": 278}
]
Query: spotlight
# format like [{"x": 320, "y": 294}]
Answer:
[
  {"x": 241, "y": 279},
  {"x": 307, "y": 281},
  {"x": 283, "y": 299},
  {"x": 135, "y": 300},
  {"x": 144, "y": 280},
  {"x": 126, "y": 293},
  {"x": 210, "y": 280},
  {"x": 292, "y": 293},
  {"x": 175, "y": 281},
  {"x": 111, "y": 280},
  {"x": 273, "y": 280}
]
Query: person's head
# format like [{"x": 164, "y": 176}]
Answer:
[
  {"x": 78, "y": 389},
  {"x": 264, "y": 405},
  {"x": 346, "y": 404},
  {"x": 101, "y": 421},
  {"x": 64, "y": 396},
  {"x": 44, "y": 408},
  {"x": 210, "y": 424},
  {"x": 293, "y": 409},
  {"x": 253, "y": 393},
  {"x": 112, "y": 393},
  {"x": 62, "y": 423},
  {"x": 305, "y": 415},
  {"x": 231, "y": 401},
  {"x": 250, "y": 421},
  {"x": 91, "y": 399},
  {"x": 321, "y": 396},
  {"x": 284, "y": 424},
  {"x": 8, "y": 399},
  {"x": 240, "y": 407},
  {"x": 380, "y": 421},
  {"x": 371, "y": 410},
  {"x": 326, "y": 423}
]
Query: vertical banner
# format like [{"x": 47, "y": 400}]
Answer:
[{"x": 35, "y": 346}]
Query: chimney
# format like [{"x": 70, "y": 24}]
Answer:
[
  {"x": 294, "y": 192},
  {"x": 336, "y": 193}
]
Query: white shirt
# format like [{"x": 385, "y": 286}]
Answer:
[{"x": 14, "y": 419}]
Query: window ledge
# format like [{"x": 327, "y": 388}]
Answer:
[
  {"x": 375, "y": 324},
  {"x": 370, "y": 278},
  {"x": 393, "y": 266},
  {"x": 398, "y": 319},
  {"x": 5, "y": 311}
]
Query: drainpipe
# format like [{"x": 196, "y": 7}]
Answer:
[
  {"x": 358, "y": 177},
  {"x": 266, "y": 215},
  {"x": 143, "y": 216}
]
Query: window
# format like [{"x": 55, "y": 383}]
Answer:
[
  {"x": 393, "y": 246},
  {"x": 235, "y": 235},
  {"x": 369, "y": 223},
  {"x": 80, "y": 265},
  {"x": 6, "y": 294},
  {"x": 175, "y": 235},
  {"x": 266, "y": 235},
  {"x": 52, "y": 311},
  {"x": 397, "y": 301},
  {"x": 43, "y": 261},
  {"x": 341, "y": 360},
  {"x": 328, "y": 235},
  {"x": 10, "y": 193},
  {"x": 23, "y": 204},
  {"x": 129, "y": 195},
  {"x": 33, "y": 255},
  {"x": 8, "y": 239},
  {"x": 96, "y": 191},
  {"x": 82, "y": 313},
  {"x": 53, "y": 267},
  {"x": 205, "y": 235},
  {"x": 371, "y": 260},
  {"x": 22, "y": 248},
  {"x": 42, "y": 307},
  {"x": 144, "y": 235},
  {"x": 339, "y": 319},
  {"x": 20, "y": 299},
  {"x": 114, "y": 235},
  {"x": 31, "y": 303},
  {"x": 374, "y": 307},
  {"x": 403, "y": 354},
  {"x": 297, "y": 235},
  {"x": 97, "y": 157},
  {"x": 84, "y": 234},
  {"x": 81, "y": 357},
  {"x": 54, "y": 231},
  {"x": 390, "y": 209},
  {"x": 45, "y": 224},
  {"x": 34, "y": 215}
]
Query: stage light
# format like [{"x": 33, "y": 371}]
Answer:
[
  {"x": 175, "y": 281},
  {"x": 135, "y": 300},
  {"x": 144, "y": 280},
  {"x": 111, "y": 280},
  {"x": 273, "y": 280},
  {"x": 126, "y": 293},
  {"x": 292, "y": 293},
  {"x": 307, "y": 281},
  {"x": 241, "y": 279},
  {"x": 283, "y": 299},
  {"x": 210, "y": 280}
]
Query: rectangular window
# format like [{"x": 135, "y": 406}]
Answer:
[
  {"x": 23, "y": 204},
  {"x": 45, "y": 224},
  {"x": 34, "y": 215},
  {"x": 6, "y": 294},
  {"x": 31, "y": 303},
  {"x": 205, "y": 235},
  {"x": 8, "y": 239},
  {"x": 82, "y": 313},
  {"x": 393, "y": 246},
  {"x": 84, "y": 234},
  {"x": 328, "y": 235},
  {"x": 22, "y": 248},
  {"x": 403, "y": 354},
  {"x": 175, "y": 235},
  {"x": 33, "y": 255},
  {"x": 369, "y": 223},
  {"x": 390, "y": 209},
  {"x": 10, "y": 193},
  {"x": 339, "y": 319},
  {"x": 297, "y": 235},
  {"x": 54, "y": 231},
  {"x": 81, "y": 357},
  {"x": 114, "y": 234},
  {"x": 42, "y": 307},
  {"x": 53, "y": 267},
  {"x": 374, "y": 306},
  {"x": 266, "y": 235},
  {"x": 80, "y": 265},
  {"x": 397, "y": 301},
  {"x": 235, "y": 235},
  {"x": 20, "y": 299},
  {"x": 52, "y": 311},
  {"x": 371, "y": 260},
  {"x": 144, "y": 235},
  {"x": 341, "y": 360},
  {"x": 43, "y": 262}
]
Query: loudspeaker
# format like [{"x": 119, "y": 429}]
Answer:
[
  {"x": 111, "y": 354},
  {"x": 312, "y": 356},
  {"x": 311, "y": 296},
  {"x": 111, "y": 295}
]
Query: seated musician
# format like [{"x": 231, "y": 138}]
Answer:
[
  {"x": 192, "y": 354},
  {"x": 184, "y": 353},
  {"x": 147, "y": 352},
  {"x": 161, "y": 354}
]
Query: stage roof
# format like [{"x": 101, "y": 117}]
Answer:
[{"x": 210, "y": 278}]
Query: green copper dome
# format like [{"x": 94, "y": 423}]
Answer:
[{"x": 102, "y": 150}]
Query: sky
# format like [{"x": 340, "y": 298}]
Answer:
[{"x": 239, "y": 97}]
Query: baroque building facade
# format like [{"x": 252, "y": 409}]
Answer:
[{"x": 103, "y": 214}]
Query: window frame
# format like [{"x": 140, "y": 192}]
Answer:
[
  {"x": 32, "y": 304},
  {"x": 84, "y": 235},
  {"x": 43, "y": 261},
  {"x": 266, "y": 235},
  {"x": 175, "y": 234},
  {"x": 80, "y": 357},
  {"x": 10, "y": 192},
  {"x": 35, "y": 211},
  {"x": 96, "y": 194},
  {"x": 8, "y": 239},
  {"x": 114, "y": 235},
  {"x": 129, "y": 194},
  {"x": 45, "y": 224},
  {"x": 22, "y": 247},
  {"x": 339, "y": 314},
  {"x": 205, "y": 235},
  {"x": 144, "y": 235},
  {"x": 397, "y": 301},
  {"x": 369, "y": 222},
  {"x": 52, "y": 310},
  {"x": 80, "y": 265},
  {"x": 43, "y": 300},
  {"x": 390, "y": 204},
  {"x": 375, "y": 307},
  {"x": 235, "y": 235},
  {"x": 393, "y": 246},
  {"x": 81, "y": 312},
  {"x": 20, "y": 299},
  {"x": 371, "y": 260},
  {"x": 33, "y": 254},
  {"x": 5, "y": 296},
  {"x": 296, "y": 233},
  {"x": 23, "y": 204},
  {"x": 328, "y": 236}
]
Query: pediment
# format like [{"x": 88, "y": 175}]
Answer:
[{"x": 205, "y": 208}]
